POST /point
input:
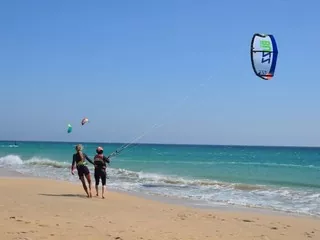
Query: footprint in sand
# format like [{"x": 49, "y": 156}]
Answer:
[
  {"x": 261, "y": 237},
  {"x": 247, "y": 220},
  {"x": 265, "y": 237},
  {"x": 309, "y": 235},
  {"x": 43, "y": 225},
  {"x": 88, "y": 226},
  {"x": 182, "y": 216},
  {"x": 210, "y": 216}
]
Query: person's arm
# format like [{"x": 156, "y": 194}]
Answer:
[
  {"x": 107, "y": 160},
  {"x": 88, "y": 159},
  {"x": 73, "y": 162}
]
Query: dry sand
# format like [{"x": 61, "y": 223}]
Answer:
[{"x": 47, "y": 209}]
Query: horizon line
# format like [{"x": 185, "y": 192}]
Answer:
[{"x": 158, "y": 143}]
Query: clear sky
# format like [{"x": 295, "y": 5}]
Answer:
[{"x": 127, "y": 65}]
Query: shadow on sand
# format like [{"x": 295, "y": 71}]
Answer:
[{"x": 63, "y": 195}]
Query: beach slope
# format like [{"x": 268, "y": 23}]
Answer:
[{"x": 47, "y": 209}]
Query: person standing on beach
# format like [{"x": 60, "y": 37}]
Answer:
[
  {"x": 100, "y": 170},
  {"x": 83, "y": 172}
]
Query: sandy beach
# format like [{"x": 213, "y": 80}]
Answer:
[{"x": 33, "y": 208}]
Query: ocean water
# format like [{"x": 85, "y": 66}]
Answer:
[{"x": 278, "y": 178}]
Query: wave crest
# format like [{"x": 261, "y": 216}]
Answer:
[
  {"x": 157, "y": 179},
  {"x": 11, "y": 160}
]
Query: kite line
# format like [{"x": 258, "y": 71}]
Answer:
[{"x": 155, "y": 126}]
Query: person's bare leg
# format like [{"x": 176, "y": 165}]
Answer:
[
  {"x": 103, "y": 186},
  {"x": 89, "y": 183},
  {"x": 103, "y": 179},
  {"x": 97, "y": 190},
  {"x": 84, "y": 185}
]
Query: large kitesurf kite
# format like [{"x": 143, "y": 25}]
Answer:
[{"x": 264, "y": 54}]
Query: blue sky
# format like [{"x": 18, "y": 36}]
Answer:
[{"x": 127, "y": 65}]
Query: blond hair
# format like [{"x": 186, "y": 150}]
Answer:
[{"x": 79, "y": 148}]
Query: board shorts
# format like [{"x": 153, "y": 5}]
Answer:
[
  {"x": 100, "y": 173},
  {"x": 82, "y": 171}
]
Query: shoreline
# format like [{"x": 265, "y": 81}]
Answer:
[
  {"x": 37, "y": 208},
  {"x": 5, "y": 172},
  {"x": 189, "y": 203}
]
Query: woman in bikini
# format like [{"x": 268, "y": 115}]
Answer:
[{"x": 79, "y": 159}]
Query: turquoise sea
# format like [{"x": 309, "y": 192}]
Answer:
[{"x": 279, "y": 178}]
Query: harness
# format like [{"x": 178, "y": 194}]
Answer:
[
  {"x": 98, "y": 159},
  {"x": 82, "y": 162}
]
